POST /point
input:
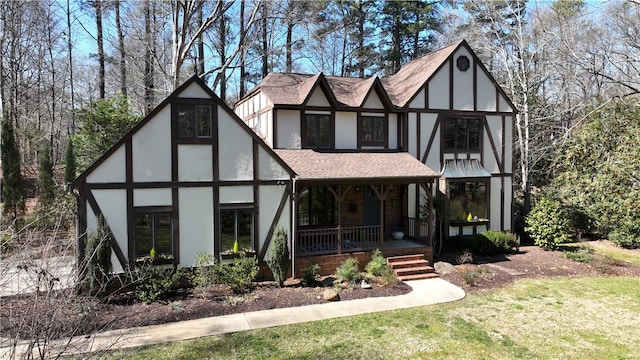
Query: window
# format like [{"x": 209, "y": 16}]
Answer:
[
  {"x": 462, "y": 134},
  {"x": 154, "y": 230},
  {"x": 316, "y": 131},
  {"x": 468, "y": 198},
  {"x": 194, "y": 120},
  {"x": 372, "y": 130},
  {"x": 236, "y": 225},
  {"x": 317, "y": 207}
]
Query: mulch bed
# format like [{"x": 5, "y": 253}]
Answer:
[{"x": 20, "y": 315}]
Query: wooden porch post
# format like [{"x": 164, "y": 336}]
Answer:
[
  {"x": 339, "y": 195},
  {"x": 381, "y": 194}
]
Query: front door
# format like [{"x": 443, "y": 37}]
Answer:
[{"x": 370, "y": 208}]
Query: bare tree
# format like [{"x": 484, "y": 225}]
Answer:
[{"x": 122, "y": 64}]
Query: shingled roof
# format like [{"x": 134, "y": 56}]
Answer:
[
  {"x": 294, "y": 89},
  {"x": 349, "y": 167},
  {"x": 402, "y": 86}
]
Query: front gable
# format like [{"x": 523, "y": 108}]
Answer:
[
  {"x": 187, "y": 158},
  {"x": 462, "y": 83}
]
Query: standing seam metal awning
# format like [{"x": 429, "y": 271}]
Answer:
[{"x": 463, "y": 168}]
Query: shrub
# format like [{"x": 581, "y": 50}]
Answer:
[
  {"x": 489, "y": 243},
  {"x": 472, "y": 276},
  {"x": 503, "y": 242},
  {"x": 278, "y": 260},
  {"x": 204, "y": 275},
  {"x": 627, "y": 235},
  {"x": 580, "y": 254},
  {"x": 348, "y": 271},
  {"x": 310, "y": 274},
  {"x": 157, "y": 283},
  {"x": 239, "y": 274},
  {"x": 98, "y": 259},
  {"x": 377, "y": 265},
  {"x": 549, "y": 224}
]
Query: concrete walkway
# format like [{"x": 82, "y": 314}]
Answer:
[{"x": 425, "y": 292}]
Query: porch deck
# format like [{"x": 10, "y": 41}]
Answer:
[{"x": 339, "y": 240}]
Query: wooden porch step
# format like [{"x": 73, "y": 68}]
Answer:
[
  {"x": 411, "y": 267},
  {"x": 414, "y": 270}
]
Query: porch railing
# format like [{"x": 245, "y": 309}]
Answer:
[
  {"x": 337, "y": 240},
  {"x": 418, "y": 229}
]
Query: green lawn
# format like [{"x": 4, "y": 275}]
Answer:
[{"x": 563, "y": 318}]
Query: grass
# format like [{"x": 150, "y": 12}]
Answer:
[
  {"x": 605, "y": 249},
  {"x": 568, "y": 318}
]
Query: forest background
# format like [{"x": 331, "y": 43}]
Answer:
[{"x": 87, "y": 70}]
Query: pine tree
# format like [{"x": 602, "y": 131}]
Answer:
[
  {"x": 70, "y": 163},
  {"x": 13, "y": 193},
  {"x": 46, "y": 183}
]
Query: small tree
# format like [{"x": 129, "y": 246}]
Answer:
[
  {"x": 46, "y": 183},
  {"x": 13, "y": 194},
  {"x": 278, "y": 260},
  {"x": 69, "y": 162},
  {"x": 548, "y": 224},
  {"x": 98, "y": 258}
]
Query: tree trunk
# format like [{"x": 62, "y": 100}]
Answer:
[
  {"x": 223, "y": 58},
  {"x": 101, "y": 71},
  {"x": 72, "y": 129},
  {"x": 200, "y": 65},
  {"x": 265, "y": 42},
  {"x": 148, "y": 59},
  {"x": 123, "y": 65},
  {"x": 243, "y": 52}
]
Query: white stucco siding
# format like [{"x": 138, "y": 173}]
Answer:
[
  {"x": 270, "y": 197},
  {"x": 439, "y": 89},
  {"x": 486, "y": 92},
  {"x": 495, "y": 128},
  {"x": 427, "y": 127},
  {"x": 373, "y": 101},
  {"x": 152, "y": 197},
  {"x": 463, "y": 83},
  {"x": 194, "y": 91},
  {"x": 195, "y": 163},
  {"x": 508, "y": 145},
  {"x": 152, "y": 149},
  {"x": 196, "y": 223},
  {"x": 346, "y": 130},
  {"x": 418, "y": 101},
  {"x": 393, "y": 131},
  {"x": 236, "y": 194},
  {"x": 113, "y": 204},
  {"x": 318, "y": 98},
  {"x": 433, "y": 158},
  {"x": 269, "y": 167},
  {"x": 495, "y": 201},
  {"x": 288, "y": 129},
  {"x": 413, "y": 136},
  {"x": 235, "y": 149},
  {"x": 112, "y": 170},
  {"x": 504, "y": 104},
  {"x": 508, "y": 195}
]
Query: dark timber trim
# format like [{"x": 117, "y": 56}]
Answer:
[
  {"x": 283, "y": 202},
  {"x": 114, "y": 243}
]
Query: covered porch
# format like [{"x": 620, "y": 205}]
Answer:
[{"x": 354, "y": 202}]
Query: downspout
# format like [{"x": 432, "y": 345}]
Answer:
[{"x": 293, "y": 227}]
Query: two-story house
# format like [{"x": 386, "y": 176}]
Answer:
[
  {"x": 356, "y": 146},
  {"x": 344, "y": 165}
]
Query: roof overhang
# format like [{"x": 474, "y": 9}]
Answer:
[
  {"x": 463, "y": 168},
  {"x": 335, "y": 167}
]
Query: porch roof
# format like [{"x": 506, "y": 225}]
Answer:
[{"x": 356, "y": 167}]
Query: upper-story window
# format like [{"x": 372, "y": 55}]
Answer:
[
  {"x": 316, "y": 131},
  {"x": 462, "y": 134},
  {"x": 194, "y": 120},
  {"x": 372, "y": 130}
]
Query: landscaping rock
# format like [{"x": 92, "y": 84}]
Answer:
[
  {"x": 331, "y": 295},
  {"x": 444, "y": 268}
]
